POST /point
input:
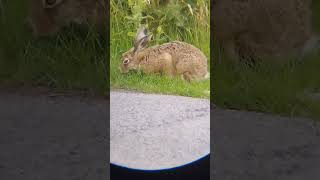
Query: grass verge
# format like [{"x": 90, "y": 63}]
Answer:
[
  {"x": 121, "y": 30},
  {"x": 74, "y": 59},
  {"x": 284, "y": 88}
]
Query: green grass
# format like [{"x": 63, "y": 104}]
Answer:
[
  {"x": 121, "y": 29},
  {"x": 280, "y": 88},
  {"x": 74, "y": 59}
]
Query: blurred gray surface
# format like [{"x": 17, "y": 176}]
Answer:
[
  {"x": 53, "y": 138},
  {"x": 256, "y": 146},
  {"x": 149, "y": 131},
  {"x": 56, "y": 138}
]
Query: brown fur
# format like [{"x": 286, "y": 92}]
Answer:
[
  {"x": 262, "y": 28},
  {"x": 172, "y": 59},
  {"x": 49, "y": 20}
]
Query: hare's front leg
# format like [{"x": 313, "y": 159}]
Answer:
[
  {"x": 168, "y": 67},
  {"x": 169, "y": 71}
]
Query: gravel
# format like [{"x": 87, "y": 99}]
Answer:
[{"x": 151, "y": 132}]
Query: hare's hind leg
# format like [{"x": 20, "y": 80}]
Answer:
[
  {"x": 186, "y": 76},
  {"x": 183, "y": 69}
]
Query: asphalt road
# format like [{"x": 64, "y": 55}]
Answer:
[
  {"x": 56, "y": 138},
  {"x": 255, "y": 146},
  {"x": 53, "y": 138}
]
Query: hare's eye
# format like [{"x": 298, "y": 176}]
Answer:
[
  {"x": 50, "y": 2},
  {"x": 126, "y": 61}
]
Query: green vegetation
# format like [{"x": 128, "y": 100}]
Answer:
[
  {"x": 77, "y": 59},
  {"x": 182, "y": 20},
  {"x": 74, "y": 59},
  {"x": 284, "y": 88},
  {"x": 269, "y": 87},
  {"x": 316, "y": 16}
]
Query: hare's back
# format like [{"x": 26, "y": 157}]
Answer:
[{"x": 177, "y": 48}]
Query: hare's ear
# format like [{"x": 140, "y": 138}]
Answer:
[
  {"x": 140, "y": 44},
  {"x": 50, "y": 3},
  {"x": 141, "y": 39},
  {"x": 141, "y": 33}
]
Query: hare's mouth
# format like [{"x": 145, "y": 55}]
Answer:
[{"x": 123, "y": 71}]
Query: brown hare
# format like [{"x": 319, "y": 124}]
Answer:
[
  {"x": 262, "y": 28},
  {"x": 172, "y": 59},
  {"x": 47, "y": 17}
]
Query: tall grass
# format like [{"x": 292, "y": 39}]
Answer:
[
  {"x": 186, "y": 21},
  {"x": 74, "y": 59}
]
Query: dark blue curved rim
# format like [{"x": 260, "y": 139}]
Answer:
[{"x": 164, "y": 169}]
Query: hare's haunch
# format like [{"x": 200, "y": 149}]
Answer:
[
  {"x": 172, "y": 59},
  {"x": 47, "y": 17},
  {"x": 262, "y": 28}
]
